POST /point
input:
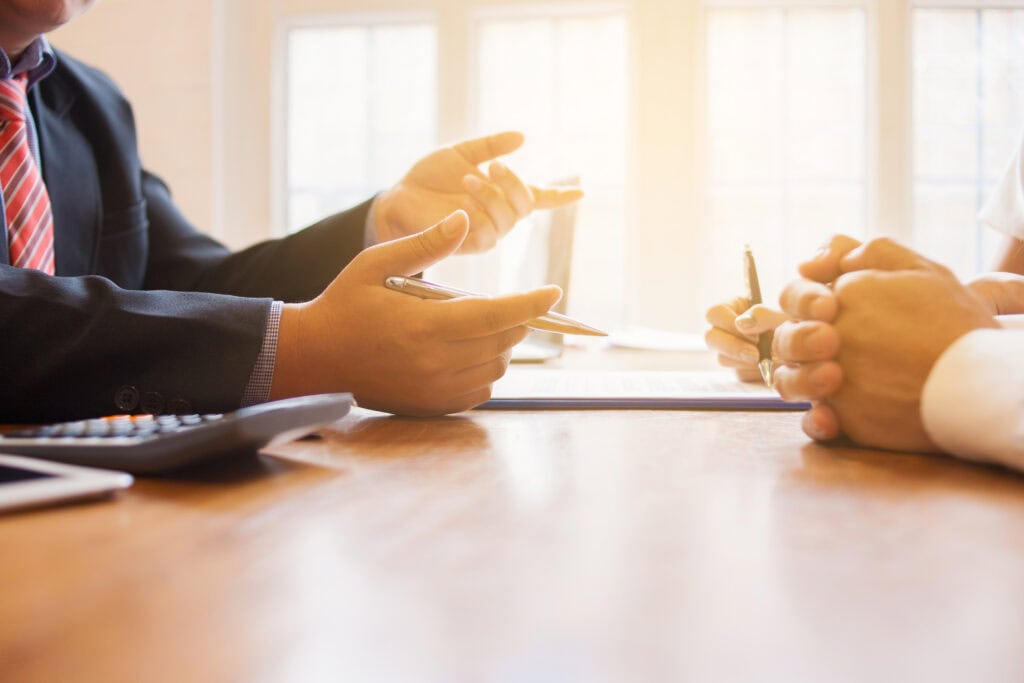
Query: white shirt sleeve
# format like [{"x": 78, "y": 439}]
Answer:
[
  {"x": 973, "y": 401},
  {"x": 1004, "y": 210}
]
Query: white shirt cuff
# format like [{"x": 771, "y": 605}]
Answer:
[{"x": 972, "y": 405}]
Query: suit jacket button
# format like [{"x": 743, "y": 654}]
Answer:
[
  {"x": 179, "y": 406},
  {"x": 152, "y": 403},
  {"x": 126, "y": 398}
]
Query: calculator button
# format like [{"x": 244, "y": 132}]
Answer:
[
  {"x": 190, "y": 419},
  {"x": 73, "y": 429}
]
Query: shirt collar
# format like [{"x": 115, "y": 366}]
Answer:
[{"x": 38, "y": 60}]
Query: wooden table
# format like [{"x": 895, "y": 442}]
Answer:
[{"x": 517, "y": 546}]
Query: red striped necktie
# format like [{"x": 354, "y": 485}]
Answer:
[{"x": 26, "y": 202}]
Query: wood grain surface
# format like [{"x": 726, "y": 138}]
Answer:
[{"x": 518, "y": 546}]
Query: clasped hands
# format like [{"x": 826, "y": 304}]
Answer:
[{"x": 859, "y": 334}]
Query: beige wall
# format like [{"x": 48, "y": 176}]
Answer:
[{"x": 161, "y": 54}]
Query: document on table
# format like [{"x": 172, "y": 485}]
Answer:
[{"x": 532, "y": 388}]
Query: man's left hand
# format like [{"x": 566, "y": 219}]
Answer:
[{"x": 450, "y": 179}]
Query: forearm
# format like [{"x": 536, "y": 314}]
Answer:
[
  {"x": 294, "y": 268},
  {"x": 1010, "y": 258},
  {"x": 75, "y": 343}
]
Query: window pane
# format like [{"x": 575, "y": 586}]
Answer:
[
  {"x": 786, "y": 137},
  {"x": 361, "y": 109},
  {"x": 566, "y": 88},
  {"x": 968, "y": 108}
]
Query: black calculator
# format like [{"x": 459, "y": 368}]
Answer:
[{"x": 156, "y": 443}]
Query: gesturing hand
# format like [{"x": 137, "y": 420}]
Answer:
[
  {"x": 450, "y": 179},
  {"x": 393, "y": 351},
  {"x": 893, "y": 313}
]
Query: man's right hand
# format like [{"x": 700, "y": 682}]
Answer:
[{"x": 395, "y": 352}]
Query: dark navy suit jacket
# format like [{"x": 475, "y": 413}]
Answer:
[{"x": 142, "y": 304}]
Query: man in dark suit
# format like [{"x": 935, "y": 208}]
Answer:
[{"x": 110, "y": 301}]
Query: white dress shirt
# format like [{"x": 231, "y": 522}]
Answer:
[{"x": 973, "y": 402}]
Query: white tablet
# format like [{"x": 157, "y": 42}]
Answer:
[{"x": 25, "y": 482}]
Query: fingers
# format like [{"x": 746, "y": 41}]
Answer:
[
  {"x": 760, "y": 318},
  {"x": 466, "y": 401},
  {"x": 723, "y": 315},
  {"x": 553, "y": 197},
  {"x": 517, "y": 194},
  {"x": 821, "y": 423},
  {"x": 734, "y": 349},
  {"x": 479, "y": 150},
  {"x": 807, "y": 300},
  {"x": 469, "y": 352},
  {"x": 507, "y": 199},
  {"x": 473, "y": 317},
  {"x": 741, "y": 351},
  {"x": 824, "y": 265},
  {"x": 501, "y": 212},
  {"x": 483, "y": 235},
  {"x": 477, "y": 381},
  {"x": 805, "y": 342},
  {"x": 415, "y": 253},
  {"x": 749, "y": 374},
  {"x": 483, "y": 374},
  {"x": 809, "y": 381},
  {"x": 884, "y": 254}
]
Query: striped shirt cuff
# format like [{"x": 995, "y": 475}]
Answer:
[{"x": 258, "y": 388}]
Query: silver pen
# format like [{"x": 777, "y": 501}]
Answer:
[
  {"x": 764, "y": 341},
  {"x": 550, "y": 322}
]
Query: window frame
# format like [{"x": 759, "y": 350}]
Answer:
[{"x": 667, "y": 50}]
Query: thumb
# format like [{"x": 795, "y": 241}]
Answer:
[
  {"x": 759, "y": 318},
  {"x": 415, "y": 253}
]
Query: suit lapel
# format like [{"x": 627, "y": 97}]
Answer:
[{"x": 69, "y": 171}]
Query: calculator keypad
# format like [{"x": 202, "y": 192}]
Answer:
[{"x": 117, "y": 426}]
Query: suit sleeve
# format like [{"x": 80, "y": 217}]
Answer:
[
  {"x": 82, "y": 346},
  {"x": 292, "y": 269},
  {"x": 152, "y": 309},
  {"x": 192, "y": 335}
]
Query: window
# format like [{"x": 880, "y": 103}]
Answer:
[
  {"x": 362, "y": 107},
  {"x": 968, "y": 111},
  {"x": 786, "y": 135},
  {"x": 566, "y": 89},
  {"x": 695, "y": 126}
]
